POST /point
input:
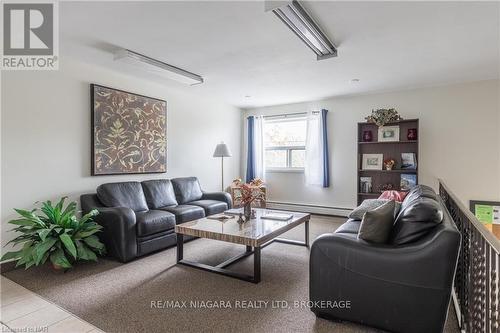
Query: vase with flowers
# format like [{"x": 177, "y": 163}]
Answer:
[{"x": 249, "y": 192}]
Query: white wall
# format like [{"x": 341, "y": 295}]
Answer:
[
  {"x": 459, "y": 141},
  {"x": 46, "y": 134}
]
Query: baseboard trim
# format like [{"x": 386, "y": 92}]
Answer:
[{"x": 307, "y": 208}]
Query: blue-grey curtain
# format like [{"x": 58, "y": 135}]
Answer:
[
  {"x": 250, "y": 150},
  {"x": 326, "y": 160}
]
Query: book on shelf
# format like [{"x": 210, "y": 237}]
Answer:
[
  {"x": 365, "y": 184},
  {"x": 409, "y": 161},
  {"x": 408, "y": 181}
]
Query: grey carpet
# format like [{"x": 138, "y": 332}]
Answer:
[{"x": 117, "y": 297}]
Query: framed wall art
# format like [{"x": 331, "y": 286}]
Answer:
[{"x": 129, "y": 132}]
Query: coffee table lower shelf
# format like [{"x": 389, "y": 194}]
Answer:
[{"x": 255, "y": 251}]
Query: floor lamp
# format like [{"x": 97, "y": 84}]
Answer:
[{"x": 222, "y": 151}]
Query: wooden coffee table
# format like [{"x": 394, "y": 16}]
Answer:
[{"x": 255, "y": 234}]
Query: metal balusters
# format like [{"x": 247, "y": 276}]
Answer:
[{"x": 477, "y": 279}]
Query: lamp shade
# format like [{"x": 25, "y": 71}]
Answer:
[{"x": 222, "y": 151}]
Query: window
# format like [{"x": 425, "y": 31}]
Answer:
[{"x": 284, "y": 143}]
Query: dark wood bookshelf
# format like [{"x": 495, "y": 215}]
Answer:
[
  {"x": 389, "y": 149},
  {"x": 385, "y": 143}
]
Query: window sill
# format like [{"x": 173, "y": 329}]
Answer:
[{"x": 285, "y": 170}]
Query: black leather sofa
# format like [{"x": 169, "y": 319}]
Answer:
[
  {"x": 404, "y": 286},
  {"x": 139, "y": 218}
]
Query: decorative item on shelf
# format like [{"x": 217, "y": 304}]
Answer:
[
  {"x": 412, "y": 134},
  {"x": 365, "y": 184},
  {"x": 388, "y": 134},
  {"x": 367, "y": 136},
  {"x": 409, "y": 161},
  {"x": 372, "y": 161},
  {"x": 249, "y": 193},
  {"x": 380, "y": 117},
  {"x": 408, "y": 181},
  {"x": 386, "y": 187},
  {"x": 57, "y": 235},
  {"x": 389, "y": 163}
]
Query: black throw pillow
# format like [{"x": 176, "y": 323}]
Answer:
[{"x": 376, "y": 224}]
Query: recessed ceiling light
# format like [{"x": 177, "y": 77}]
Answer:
[
  {"x": 247, "y": 96},
  {"x": 353, "y": 81}
]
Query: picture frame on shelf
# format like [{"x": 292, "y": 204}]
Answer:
[
  {"x": 365, "y": 184},
  {"x": 408, "y": 181},
  {"x": 409, "y": 161},
  {"x": 372, "y": 161},
  {"x": 388, "y": 133}
]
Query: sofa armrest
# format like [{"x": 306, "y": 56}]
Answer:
[
  {"x": 219, "y": 196},
  {"x": 119, "y": 231}
]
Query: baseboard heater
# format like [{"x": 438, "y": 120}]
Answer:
[{"x": 307, "y": 208}]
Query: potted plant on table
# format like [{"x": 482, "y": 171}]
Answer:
[
  {"x": 249, "y": 192},
  {"x": 56, "y": 234}
]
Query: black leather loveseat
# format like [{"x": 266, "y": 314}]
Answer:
[
  {"x": 139, "y": 218},
  {"x": 403, "y": 286}
]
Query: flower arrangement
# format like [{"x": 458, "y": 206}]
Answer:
[
  {"x": 389, "y": 163},
  {"x": 249, "y": 192},
  {"x": 383, "y": 116}
]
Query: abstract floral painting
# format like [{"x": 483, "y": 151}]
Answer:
[{"x": 129, "y": 132}]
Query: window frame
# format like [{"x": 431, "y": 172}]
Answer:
[{"x": 288, "y": 149}]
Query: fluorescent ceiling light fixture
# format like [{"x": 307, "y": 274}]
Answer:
[
  {"x": 157, "y": 67},
  {"x": 297, "y": 19}
]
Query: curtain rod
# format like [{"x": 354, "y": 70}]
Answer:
[{"x": 286, "y": 115}]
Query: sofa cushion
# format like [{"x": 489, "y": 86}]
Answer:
[
  {"x": 350, "y": 227},
  {"x": 187, "y": 189},
  {"x": 185, "y": 213},
  {"x": 371, "y": 204},
  {"x": 416, "y": 219},
  {"x": 154, "y": 221},
  {"x": 211, "y": 207},
  {"x": 124, "y": 194},
  {"x": 377, "y": 224},
  {"x": 159, "y": 193},
  {"x": 420, "y": 191}
]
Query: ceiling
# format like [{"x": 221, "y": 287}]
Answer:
[{"x": 241, "y": 50}]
